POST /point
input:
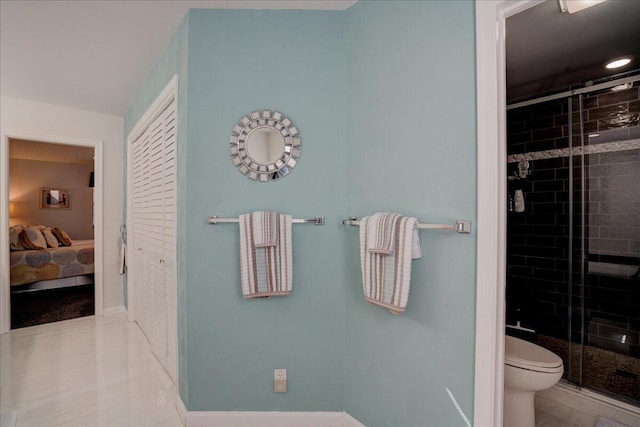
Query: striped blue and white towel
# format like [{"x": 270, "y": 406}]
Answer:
[
  {"x": 267, "y": 270},
  {"x": 386, "y": 279}
]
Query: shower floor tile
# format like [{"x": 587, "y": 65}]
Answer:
[{"x": 602, "y": 370}]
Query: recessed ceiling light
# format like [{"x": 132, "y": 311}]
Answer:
[{"x": 617, "y": 63}]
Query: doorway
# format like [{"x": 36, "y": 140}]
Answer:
[
  {"x": 50, "y": 194},
  {"x": 492, "y": 204},
  {"x": 5, "y": 214}
]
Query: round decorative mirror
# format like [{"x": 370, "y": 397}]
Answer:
[{"x": 265, "y": 146}]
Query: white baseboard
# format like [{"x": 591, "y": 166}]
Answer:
[
  {"x": 268, "y": 419},
  {"x": 182, "y": 410},
  {"x": 109, "y": 311}
]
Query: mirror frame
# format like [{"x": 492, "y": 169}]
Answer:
[{"x": 265, "y": 172}]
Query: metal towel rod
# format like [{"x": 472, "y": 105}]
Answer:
[
  {"x": 462, "y": 227},
  {"x": 319, "y": 220}
]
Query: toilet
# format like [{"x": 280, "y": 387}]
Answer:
[{"x": 528, "y": 368}]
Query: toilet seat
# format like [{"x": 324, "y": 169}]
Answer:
[{"x": 525, "y": 355}]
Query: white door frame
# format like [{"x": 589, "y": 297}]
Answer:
[
  {"x": 492, "y": 194},
  {"x": 168, "y": 94},
  {"x": 5, "y": 291}
]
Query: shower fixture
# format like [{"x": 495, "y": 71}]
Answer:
[{"x": 523, "y": 168}]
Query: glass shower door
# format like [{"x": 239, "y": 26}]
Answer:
[
  {"x": 605, "y": 242},
  {"x": 577, "y": 212},
  {"x": 573, "y": 261}
]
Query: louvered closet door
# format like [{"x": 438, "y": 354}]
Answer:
[
  {"x": 169, "y": 203},
  {"x": 154, "y": 215},
  {"x": 155, "y": 222},
  {"x": 134, "y": 265},
  {"x": 140, "y": 265},
  {"x": 145, "y": 229}
]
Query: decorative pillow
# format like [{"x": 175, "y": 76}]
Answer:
[
  {"x": 14, "y": 238},
  {"x": 32, "y": 238},
  {"x": 62, "y": 237},
  {"x": 52, "y": 241}
]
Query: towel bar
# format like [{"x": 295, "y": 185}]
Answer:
[
  {"x": 462, "y": 227},
  {"x": 319, "y": 220}
]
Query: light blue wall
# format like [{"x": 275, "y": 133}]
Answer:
[
  {"x": 384, "y": 97},
  {"x": 294, "y": 62},
  {"x": 412, "y": 148},
  {"x": 172, "y": 62}
]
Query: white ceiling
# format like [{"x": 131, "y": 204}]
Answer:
[{"x": 95, "y": 55}]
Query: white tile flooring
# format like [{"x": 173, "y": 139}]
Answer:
[
  {"x": 554, "y": 414},
  {"x": 563, "y": 407},
  {"x": 99, "y": 371},
  {"x": 93, "y": 371}
]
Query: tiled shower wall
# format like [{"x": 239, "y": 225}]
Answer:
[{"x": 538, "y": 239}]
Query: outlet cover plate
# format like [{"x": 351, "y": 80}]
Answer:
[
  {"x": 280, "y": 374},
  {"x": 280, "y": 380}
]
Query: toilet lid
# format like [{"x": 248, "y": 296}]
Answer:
[{"x": 523, "y": 354}]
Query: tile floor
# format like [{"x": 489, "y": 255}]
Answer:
[
  {"x": 99, "y": 371},
  {"x": 92, "y": 371},
  {"x": 553, "y": 414},
  {"x": 563, "y": 407}
]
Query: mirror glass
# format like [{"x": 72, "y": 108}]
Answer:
[{"x": 265, "y": 146}]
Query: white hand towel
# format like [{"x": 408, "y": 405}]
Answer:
[
  {"x": 386, "y": 279},
  {"x": 266, "y": 271},
  {"x": 265, "y": 228},
  {"x": 381, "y": 228}
]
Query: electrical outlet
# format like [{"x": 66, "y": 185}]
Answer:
[
  {"x": 280, "y": 380},
  {"x": 280, "y": 374}
]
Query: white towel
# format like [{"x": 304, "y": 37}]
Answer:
[
  {"x": 265, "y": 228},
  {"x": 386, "y": 279},
  {"x": 266, "y": 271},
  {"x": 381, "y": 228}
]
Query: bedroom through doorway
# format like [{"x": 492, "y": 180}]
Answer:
[{"x": 51, "y": 236}]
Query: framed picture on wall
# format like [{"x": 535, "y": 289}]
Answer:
[{"x": 55, "y": 198}]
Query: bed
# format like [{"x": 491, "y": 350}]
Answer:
[{"x": 52, "y": 267}]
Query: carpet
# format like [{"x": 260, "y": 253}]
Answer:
[{"x": 51, "y": 305}]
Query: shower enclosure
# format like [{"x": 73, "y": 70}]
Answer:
[{"x": 573, "y": 263}]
